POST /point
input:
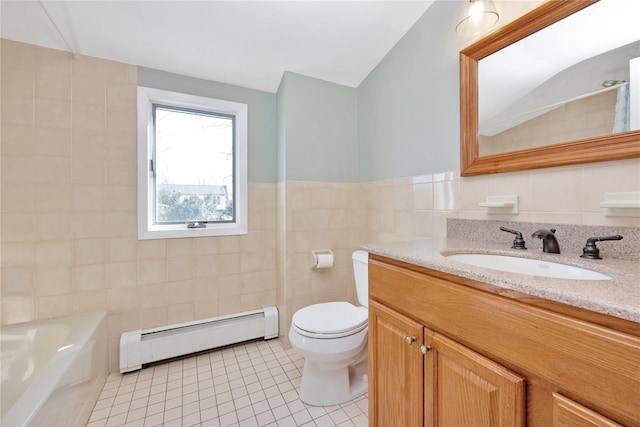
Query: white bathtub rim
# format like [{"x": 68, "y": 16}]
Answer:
[{"x": 23, "y": 410}]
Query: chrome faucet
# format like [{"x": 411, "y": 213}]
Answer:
[{"x": 549, "y": 242}]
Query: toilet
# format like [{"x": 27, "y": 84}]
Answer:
[{"x": 332, "y": 337}]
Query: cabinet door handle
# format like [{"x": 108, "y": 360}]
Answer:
[
  {"x": 425, "y": 349},
  {"x": 410, "y": 340}
]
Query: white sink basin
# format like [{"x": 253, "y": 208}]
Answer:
[{"x": 528, "y": 266}]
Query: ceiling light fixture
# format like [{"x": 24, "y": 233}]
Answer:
[{"x": 477, "y": 18}]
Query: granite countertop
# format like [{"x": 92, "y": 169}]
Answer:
[{"x": 619, "y": 297}]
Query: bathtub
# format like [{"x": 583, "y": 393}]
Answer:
[{"x": 53, "y": 371}]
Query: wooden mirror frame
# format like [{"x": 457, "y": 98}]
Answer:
[{"x": 597, "y": 149}]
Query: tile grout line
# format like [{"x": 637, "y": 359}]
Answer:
[{"x": 250, "y": 384}]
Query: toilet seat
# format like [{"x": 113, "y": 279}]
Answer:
[{"x": 330, "y": 320}]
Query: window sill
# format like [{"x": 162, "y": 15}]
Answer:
[{"x": 181, "y": 231}]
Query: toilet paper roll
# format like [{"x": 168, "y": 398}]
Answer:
[{"x": 323, "y": 259}]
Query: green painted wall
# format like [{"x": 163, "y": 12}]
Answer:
[
  {"x": 408, "y": 106},
  {"x": 403, "y": 120},
  {"x": 281, "y": 97},
  {"x": 317, "y": 130},
  {"x": 262, "y": 114}
]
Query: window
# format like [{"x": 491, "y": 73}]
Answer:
[{"x": 192, "y": 166}]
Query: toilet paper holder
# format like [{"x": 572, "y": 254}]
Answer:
[{"x": 322, "y": 258}]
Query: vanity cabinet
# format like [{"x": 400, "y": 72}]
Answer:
[
  {"x": 447, "y": 351},
  {"x": 463, "y": 388},
  {"x": 395, "y": 369},
  {"x": 419, "y": 377}
]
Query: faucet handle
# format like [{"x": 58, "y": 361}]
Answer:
[
  {"x": 591, "y": 251},
  {"x": 518, "y": 241}
]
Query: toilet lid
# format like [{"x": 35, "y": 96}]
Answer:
[{"x": 331, "y": 318}]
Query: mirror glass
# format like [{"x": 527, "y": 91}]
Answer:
[
  {"x": 567, "y": 82},
  {"x": 561, "y": 81}
]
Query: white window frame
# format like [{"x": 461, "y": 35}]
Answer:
[{"x": 147, "y": 97}]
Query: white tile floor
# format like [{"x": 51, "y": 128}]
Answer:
[{"x": 252, "y": 384}]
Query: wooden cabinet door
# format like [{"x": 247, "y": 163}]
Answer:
[
  {"x": 395, "y": 369},
  {"x": 567, "y": 413},
  {"x": 463, "y": 388}
]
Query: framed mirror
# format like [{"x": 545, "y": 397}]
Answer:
[{"x": 520, "y": 112}]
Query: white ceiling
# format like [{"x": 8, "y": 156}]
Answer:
[{"x": 245, "y": 43}]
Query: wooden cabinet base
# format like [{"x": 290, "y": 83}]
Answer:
[
  {"x": 489, "y": 359},
  {"x": 467, "y": 389},
  {"x": 567, "y": 413}
]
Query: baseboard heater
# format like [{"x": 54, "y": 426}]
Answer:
[{"x": 140, "y": 347}]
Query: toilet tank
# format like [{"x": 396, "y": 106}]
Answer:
[{"x": 361, "y": 272}]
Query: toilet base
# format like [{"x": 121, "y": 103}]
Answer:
[{"x": 322, "y": 387}]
